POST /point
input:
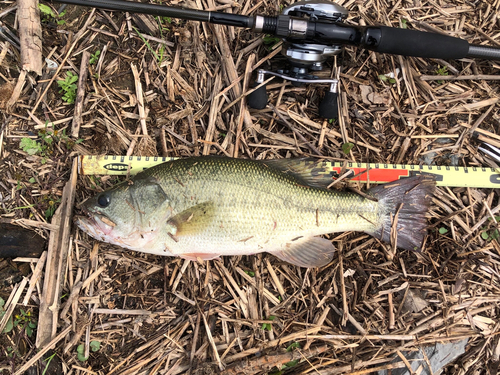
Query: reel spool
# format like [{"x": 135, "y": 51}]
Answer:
[
  {"x": 305, "y": 58},
  {"x": 312, "y": 32}
]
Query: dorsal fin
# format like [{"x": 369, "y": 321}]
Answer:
[{"x": 310, "y": 171}]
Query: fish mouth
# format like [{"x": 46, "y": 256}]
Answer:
[{"x": 95, "y": 224}]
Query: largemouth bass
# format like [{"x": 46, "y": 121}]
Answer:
[{"x": 205, "y": 207}]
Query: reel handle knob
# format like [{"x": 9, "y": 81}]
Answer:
[
  {"x": 329, "y": 106},
  {"x": 258, "y": 98}
]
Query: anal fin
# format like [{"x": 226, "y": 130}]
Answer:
[
  {"x": 311, "y": 252},
  {"x": 196, "y": 256}
]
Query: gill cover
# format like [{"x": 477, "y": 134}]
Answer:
[{"x": 148, "y": 201}]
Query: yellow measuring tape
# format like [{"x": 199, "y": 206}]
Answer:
[{"x": 475, "y": 177}]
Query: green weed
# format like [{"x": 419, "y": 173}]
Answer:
[
  {"x": 292, "y": 346},
  {"x": 44, "y": 145},
  {"x": 11, "y": 351},
  {"x": 347, "y": 147},
  {"x": 268, "y": 326},
  {"x": 48, "y": 360},
  {"x": 442, "y": 71},
  {"x": 31, "y": 146},
  {"x": 68, "y": 87},
  {"x": 94, "y": 57},
  {"x": 387, "y": 78},
  {"x": 52, "y": 207},
  {"x": 26, "y": 322},
  {"x": 50, "y": 15},
  {"x": 80, "y": 350},
  {"x": 270, "y": 41},
  {"x": 489, "y": 234},
  {"x": 10, "y": 322},
  {"x": 161, "y": 23},
  {"x": 159, "y": 57}
]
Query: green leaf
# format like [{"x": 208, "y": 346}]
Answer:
[
  {"x": 95, "y": 57},
  {"x": 443, "y": 230},
  {"x": 29, "y": 331},
  {"x": 68, "y": 87},
  {"x": 295, "y": 345},
  {"x": 32, "y": 180},
  {"x": 270, "y": 39},
  {"x": 383, "y": 77},
  {"x": 45, "y": 9},
  {"x": 148, "y": 45},
  {"x": 494, "y": 235},
  {"x": 30, "y": 146},
  {"x": 9, "y": 326},
  {"x": 267, "y": 327},
  {"x": 347, "y": 147},
  {"x": 73, "y": 78},
  {"x": 485, "y": 236},
  {"x": 250, "y": 273},
  {"x": 2, "y": 303},
  {"x": 95, "y": 345},
  {"x": 80, "y": 351},
  {"x": 48, "y": 360},
  {"x": 290, "y": 364}
]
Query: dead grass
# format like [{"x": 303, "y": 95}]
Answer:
[{"x": 155, "y": 315}]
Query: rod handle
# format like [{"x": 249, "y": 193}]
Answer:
[{"x": 415, "y": 43}]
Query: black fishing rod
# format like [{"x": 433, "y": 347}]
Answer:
[{"x": 313, "y": 31}]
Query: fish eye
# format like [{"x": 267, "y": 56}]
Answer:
[{"x": 103, "y": 200}]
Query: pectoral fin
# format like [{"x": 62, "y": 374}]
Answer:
[
  {"x": 193, "y": 220},
  {"x": 311, "y": 252}
]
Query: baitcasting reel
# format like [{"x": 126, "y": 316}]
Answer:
[
  {"x": 313, "y": 31},
  {"x": 305, "y": 57}
]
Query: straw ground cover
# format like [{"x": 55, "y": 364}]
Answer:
[{"x": 160, "y": 86}]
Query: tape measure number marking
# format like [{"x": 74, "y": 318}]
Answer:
[{"x": 476, "y": 177}]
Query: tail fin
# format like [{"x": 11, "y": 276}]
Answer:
[{"x": 406, "y": 202}]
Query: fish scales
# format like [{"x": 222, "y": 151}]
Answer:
[
  {"x": 253, "y": 200},
  {"x": 210, "y": 206}
]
